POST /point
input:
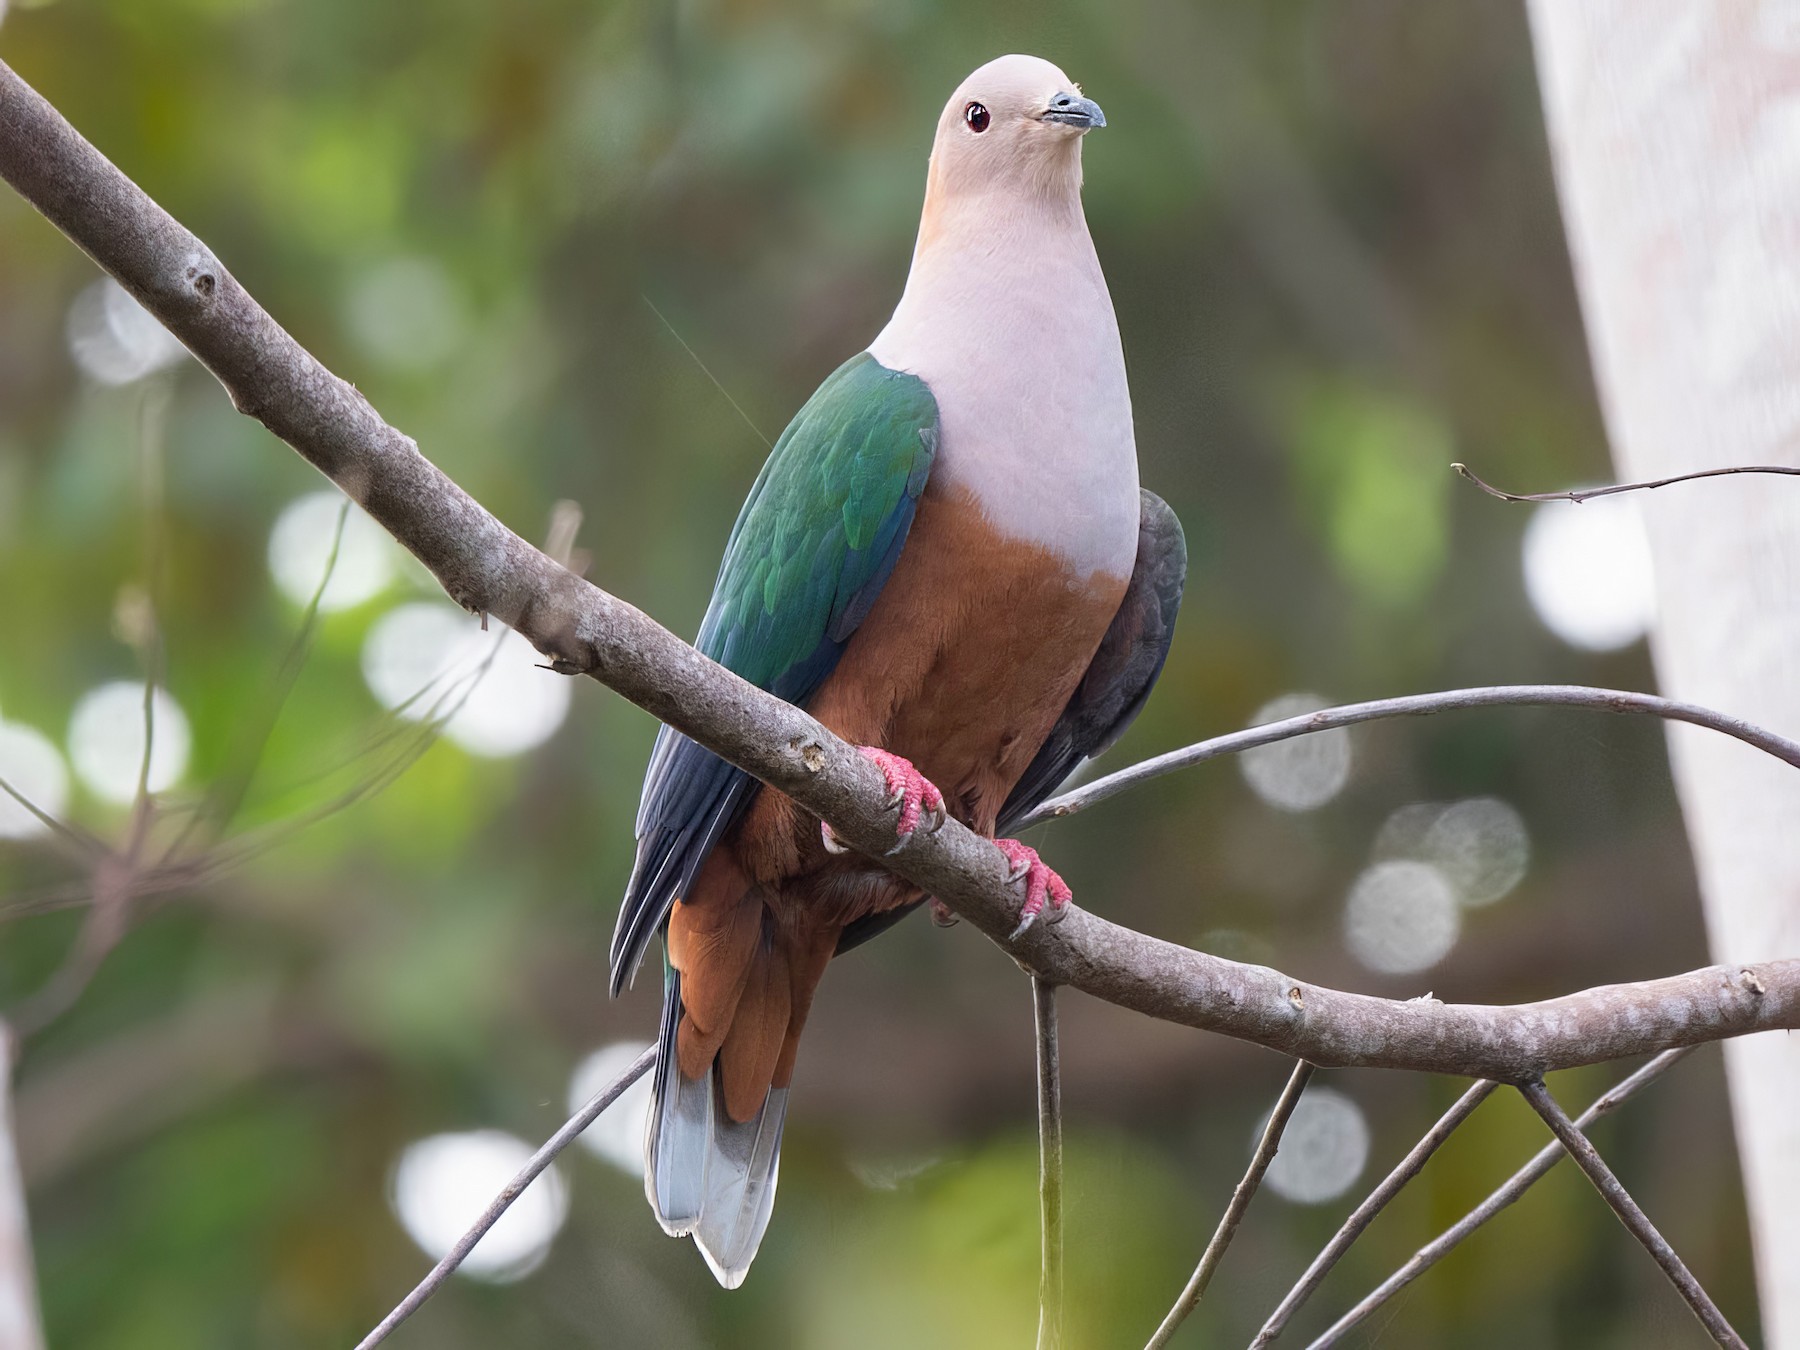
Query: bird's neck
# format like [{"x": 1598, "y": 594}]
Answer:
[
  {"x": 994, "y": 268},
  {"x": 1011, "y": 212},
  {"x": 1007, "y": 320}
]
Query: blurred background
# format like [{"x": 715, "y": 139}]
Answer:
[{"x": 600, "y": 250}]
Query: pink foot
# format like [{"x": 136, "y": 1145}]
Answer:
[
  {"x": 915, "y": 795},
  {"x": 1041, "y": 884}
]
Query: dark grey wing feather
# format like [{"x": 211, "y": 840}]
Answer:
[
  {"x": 1124, "y": 669},
  {"x": 1110, "y": 695},
  {"x": 691, "y": 797}
]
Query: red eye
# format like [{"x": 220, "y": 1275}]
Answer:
[{"x": 976, "y": 115}]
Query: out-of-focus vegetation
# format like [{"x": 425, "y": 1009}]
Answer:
[{"x": 556, "y": 240}]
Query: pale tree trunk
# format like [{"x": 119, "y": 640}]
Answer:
[
  {"x": 1675, "y": 129},
  {"x": 19, "y": 1328}
]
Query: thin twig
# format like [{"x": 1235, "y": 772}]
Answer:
[
  {"x": 717, "y": 383},
  {"x": 1514, "y": 1187},
  {"x": 1587, "y": 494},
  {"x": 80, "y": 845},
  {"x": 115, "y": 873},
  {"x": 1588, "y": 1158},
  {"x": 1266, "y": 1148},
  {"x": 1364, "y": 1214},
  {"x": 151, "y": 409},
  {"x": 1050, "y": 1165},
  {"x": 414, "y": 740},
  {"x": 20, "y": 1325},
  {"x": 226, "y": 794},
  {"x": 513, "y": 1189},
  {"x": 113, "y": 886},
  {"x": 1418, "y": 705}
]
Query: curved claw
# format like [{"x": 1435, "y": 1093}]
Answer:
[
  {"x": 917, "y": 796},
  {"x": 1042, "y": 885}
]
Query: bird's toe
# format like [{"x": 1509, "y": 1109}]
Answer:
[
  {"x": 1044, "y": 889},
  {"x": 917, "y": 796}
]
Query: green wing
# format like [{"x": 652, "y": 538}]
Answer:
[
  {"x": 822, "y": 528},
  {"x": 812, "y": 548}
]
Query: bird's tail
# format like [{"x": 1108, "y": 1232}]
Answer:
[
  {"x": 705, "y": 1173},
  {"x": 737, "y": 986}
]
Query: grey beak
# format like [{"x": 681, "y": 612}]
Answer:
[{"x": 1072, "y": 110}]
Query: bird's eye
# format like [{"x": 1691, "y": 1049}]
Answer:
[{"x": 976, "y": 115}]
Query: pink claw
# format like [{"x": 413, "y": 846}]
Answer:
[
  {"x": 916, "y": 796},
  {"x": 1041, "y": 884}
]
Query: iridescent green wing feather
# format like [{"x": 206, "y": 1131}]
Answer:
[{"x": 812, "y": 548}]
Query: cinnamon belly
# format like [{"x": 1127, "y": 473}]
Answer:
[{"x": 963, "y": 666}]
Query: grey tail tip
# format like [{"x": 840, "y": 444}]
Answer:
[
  {"x": 729, "y": 1277},
  {"x": 706, "y": 1175}
]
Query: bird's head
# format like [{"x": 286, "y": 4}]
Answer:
[{"x": 1014, "y": 126}]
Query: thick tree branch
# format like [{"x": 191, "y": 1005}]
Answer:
[{"x": 488, "y": 569}]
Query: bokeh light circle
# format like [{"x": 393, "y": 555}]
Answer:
[
  {"x": 1401, "y": 916},
  {"x": 425, "y": 658},
  {"x": 442, "y": 1184},
  {"x": 1323, "y": 1149},
  {"x": 114, "y": 339},
  {"x": 106, "y": 741},
  {"x": 1301, "y": 774},
  {"x": 618, "y": 1135},
  {"x": 31, "y": 763},
  {"x": 1479, "y": 844},
  {"x": 300, "y": 547},
  {"x": 1588, "y": 572}
]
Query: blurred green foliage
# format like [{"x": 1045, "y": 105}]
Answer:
[{"x": 1332, "y": 240}]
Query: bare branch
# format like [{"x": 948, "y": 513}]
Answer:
[
  {"x": 487, "y": 568},
  {"x": 1589, "y": 1160},
  {"x": 1514, "y": 1187},
  {"x": 225, "y": 796},
  {"x": 1245, "y": 1191},
  {"x": 1050, "y": 1165},
  {"x": 538, "y": 1161},
  {"x": 1588, "y": 494},
  {"x": 113, "y": 885},
  {"x": 1417, "y": 705},
  {"x": 78, "y": 843},
  {"x": 1410, "y": 1166},
  {"x": 20, "y": 1327}
]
